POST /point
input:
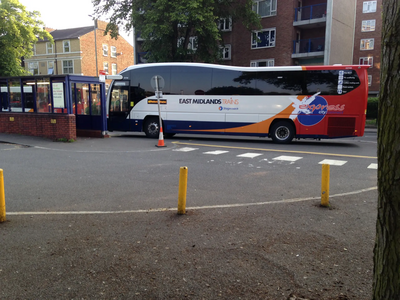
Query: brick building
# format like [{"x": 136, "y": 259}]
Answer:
[
  {"x": 75, "y": 52},
  {"x": 294, "y": 32},
  {"x": 367, "y": 40}
]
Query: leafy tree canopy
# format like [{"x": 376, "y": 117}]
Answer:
[
  {"x": 179, "y": 30},
  {"x": 19, "y": 31}
]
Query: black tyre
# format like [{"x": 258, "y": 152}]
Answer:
[
  {"x": 151, "y": 127},
  {"x": 282, "y": 132}
]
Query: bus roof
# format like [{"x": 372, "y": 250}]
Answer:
[{"x": 248, "y": 69}]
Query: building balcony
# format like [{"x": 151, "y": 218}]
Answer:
[
  {"x": 309, "y": 48},
  {"x": 311, "y": 16}
]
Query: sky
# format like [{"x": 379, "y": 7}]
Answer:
[{"x": 62, "y": 14}]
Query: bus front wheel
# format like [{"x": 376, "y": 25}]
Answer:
[
  {"x": 282, "y": 132},
  {"x": 152, "y": 127}
]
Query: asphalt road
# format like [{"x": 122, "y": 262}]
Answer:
[
  {"x": 96, "y": 219},
  {"x": 127, "y": 172}
]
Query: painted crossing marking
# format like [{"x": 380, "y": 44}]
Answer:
[
  {"x": 332, "y": 162},
  {"x": 292, "y": 159},
  {"x": 273, "y": 150},
  {"x": 216, "y": 152},
  {"x": 287, "y": 158},
  {"x": 249, "y": 155},
  {"x": 185, "y": 149}
]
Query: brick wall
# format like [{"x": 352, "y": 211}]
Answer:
[
  {"x": 43, "y": 125},
  {"x": 87, "y": 47}
]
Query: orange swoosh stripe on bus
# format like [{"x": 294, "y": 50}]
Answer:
[{"x": 260, "y": 127}]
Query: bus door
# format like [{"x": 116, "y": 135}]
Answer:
[{"x": 119, "y": 107}]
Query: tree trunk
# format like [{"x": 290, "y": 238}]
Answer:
[{"x": 387, "y": 244}]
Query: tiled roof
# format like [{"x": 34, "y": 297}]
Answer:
[{"x": 70, "y": 33}]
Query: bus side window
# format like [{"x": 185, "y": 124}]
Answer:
[{"x": 137, "y": 94}]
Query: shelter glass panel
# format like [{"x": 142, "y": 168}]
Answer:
[
  {"x": 28, "y": 93},
  {"x": 4, "y": 104},
  {"x": 82, "y": 99},
  {"x": 96, "y": 104},
  {"x": 59, "y": 101},
  {"x": 43, "y": 104},
  {"x": 15, "y": 96}
]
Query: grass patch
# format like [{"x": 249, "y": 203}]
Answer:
[{"x": 64, "y": 140}]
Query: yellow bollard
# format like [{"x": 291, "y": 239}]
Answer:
[
  {"x": 2, "y": 198},
  {"x": 182, "y": 190},
  {"x": 325, "y": 186}
]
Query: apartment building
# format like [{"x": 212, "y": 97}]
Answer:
[
  {"x": 80, "y": 51},
  {"x": 367, "y": 41},
  {"x": 294, "y": 32}
]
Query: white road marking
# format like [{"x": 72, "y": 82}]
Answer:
[
  {"x": 373, "y": 166},
  {"x": 216, "y": 152},
  {"x": 287, "y": 158},
  {"x": 188, "y": 208},
  {"x": 249, "y": 155},
  {"x": 185, "y": 149},
  {"x": 332, "y": 162}
]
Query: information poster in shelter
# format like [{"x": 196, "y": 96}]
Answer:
[{"x": 58, "y": 95}]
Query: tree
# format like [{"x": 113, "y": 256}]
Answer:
[
  {"x": 19, "y": 31},
  {"x": 387, "y": 244},
  {"x": 178, "y": 30}
]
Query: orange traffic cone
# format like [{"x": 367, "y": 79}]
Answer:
[{"x": 161, "y": 139}]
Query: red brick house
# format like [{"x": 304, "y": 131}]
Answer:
[{"x": 75, "y": 52}]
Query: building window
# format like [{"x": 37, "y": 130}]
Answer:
[
  {"x": 226, "y": 52},
  {"x": 265, "y": 8},
  {"x": 263, "y": 39},
  {"x": 114, "y": 69},
  {"x": 68, "y": 67},
  {"x": 105, "y": 50},
  {"x": 50, "y": 67},
  {"x": 225, "y": 24},
  {"x": 367, "y": 61},
  {"x": 49, "y": 48},
  {"x": 67, "y": 46},
  {"x": 105, "y": 67},
  {"x": 33, "y": 68},
  {"x": 369, "y": 6},
  {"x": 367, "y": 44},
  {"x": 369, "y": 80},
  {"x": 263, "y": 63},
  {"x": 192, "y": 44},
  {"x": 368, "y": 25},
  {"x": 113, "y": 51}
]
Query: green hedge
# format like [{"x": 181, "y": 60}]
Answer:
[{"x": 372, "y": 108}]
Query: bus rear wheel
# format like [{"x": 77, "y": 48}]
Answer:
[
  {"x": 152, "y": 128},
  {"x": 282, "y": 132}
]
